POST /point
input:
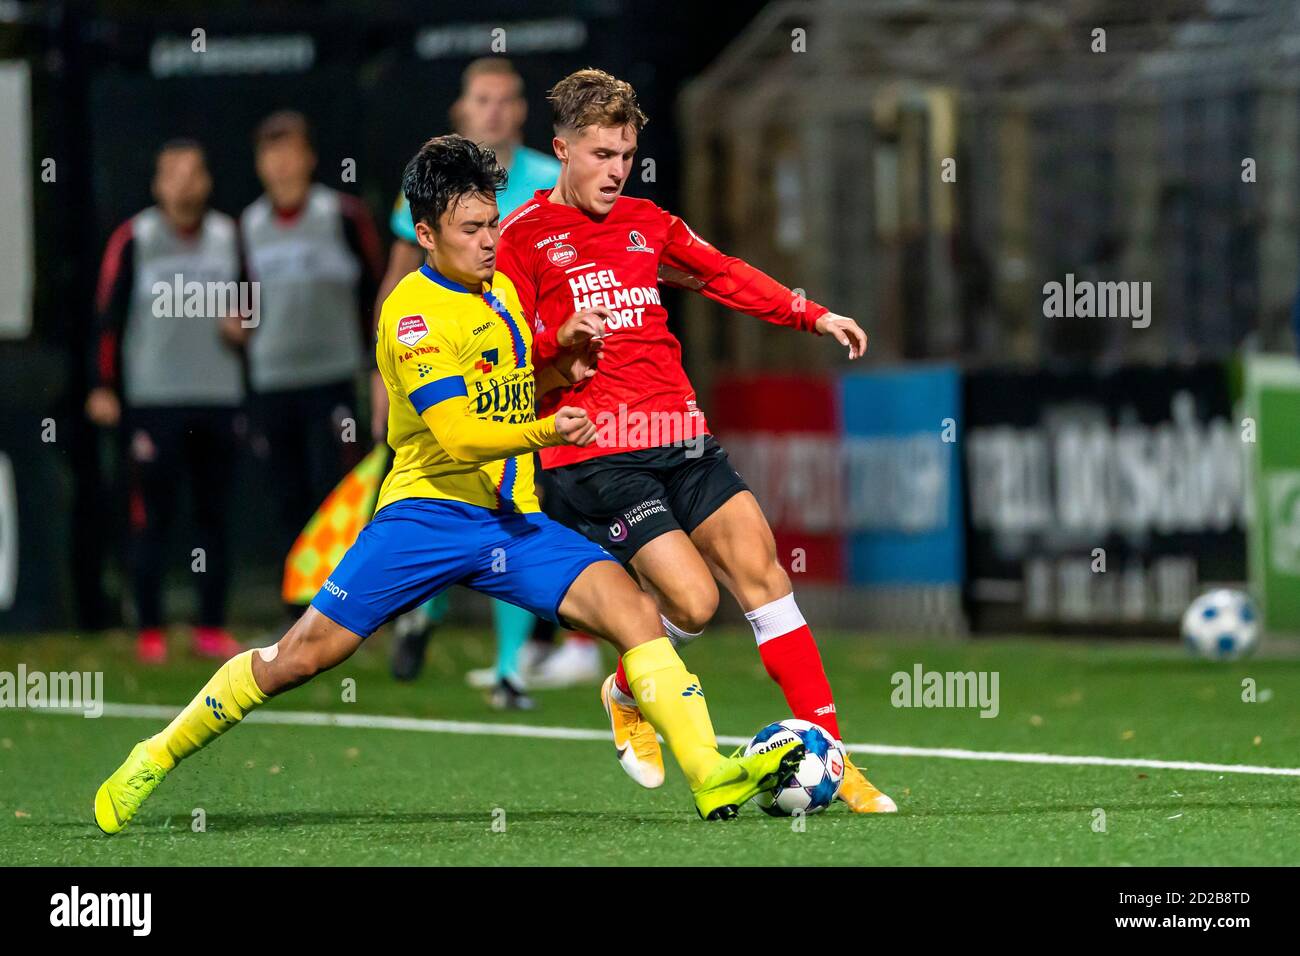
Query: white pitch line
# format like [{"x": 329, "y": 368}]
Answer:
[
  {"x": 956, "y": 753},
  {"x": 301, "y": 718}
]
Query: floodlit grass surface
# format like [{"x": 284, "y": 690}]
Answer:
[{"x": 327, "y": 795}]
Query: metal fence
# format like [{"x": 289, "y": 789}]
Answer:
[{"x": 930, "y": 166}]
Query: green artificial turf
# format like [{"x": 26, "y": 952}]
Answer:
[{"x": 279, "y": 794}]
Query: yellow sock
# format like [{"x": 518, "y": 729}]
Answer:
[
  {"x": 671, "y": 699},
  {"x": 223, "y": 702}
]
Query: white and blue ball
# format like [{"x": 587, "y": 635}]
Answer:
[
  {"x": 817, "y": 781},
  {"x": 1221, "y": 625}
]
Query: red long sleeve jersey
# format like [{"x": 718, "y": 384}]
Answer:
[{"x": 562, "y": 262}]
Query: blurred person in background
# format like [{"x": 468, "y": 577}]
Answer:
[
  {"x": 316, "y": 256},
  {"x": 490, "y": 111},
  {"x": 174, "y": 384}
]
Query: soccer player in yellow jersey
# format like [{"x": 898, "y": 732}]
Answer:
[{"x": 458, "y": 507}]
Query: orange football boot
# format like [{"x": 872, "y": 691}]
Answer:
[{"x": 861, "y": 795}]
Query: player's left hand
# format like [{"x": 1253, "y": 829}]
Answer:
[{"x": 846, "y": 332}]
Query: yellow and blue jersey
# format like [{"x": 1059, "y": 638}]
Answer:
[
  {"x": 440, "y": 519},
  {"x": 438, "y": 339}
]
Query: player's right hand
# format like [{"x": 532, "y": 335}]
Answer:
[
  {"x": 574, "y": 426},
  {"x": 587, "y": 324},
  {"x": 103, "y": 407}
]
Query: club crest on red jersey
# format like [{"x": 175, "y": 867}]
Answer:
[
  {"x": 411, "y": 328},
  {"x": 562, "y": 254},
  {"x": 638, "y": 242}
]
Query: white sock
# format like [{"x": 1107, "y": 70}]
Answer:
[
  {"x": 776, "y": 618},
  {"x": 678, "y": 637}
]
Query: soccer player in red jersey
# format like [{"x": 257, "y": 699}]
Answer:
[{"x": 656, "y": 489}]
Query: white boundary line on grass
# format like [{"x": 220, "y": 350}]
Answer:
[{"x": 298, "y": 718}]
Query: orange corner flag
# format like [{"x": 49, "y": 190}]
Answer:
[{"x": 333, "y": 528}]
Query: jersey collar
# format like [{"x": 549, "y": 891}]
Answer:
[
  {"x": 573, "y": 213},
  {"x": 433, "y": 275}
]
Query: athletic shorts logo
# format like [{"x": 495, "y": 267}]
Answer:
[
  {"x": 411, "y": 328},
  {"x": 618, "y": 530},
  {"x": 652, "y": 506},
  {"x": 561, "y": 255},
  {"x": 638, "y": 242}
]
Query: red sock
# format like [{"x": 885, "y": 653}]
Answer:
[
  {"x": 791, "y": 658},
  {"x": 620, "y": 680}
]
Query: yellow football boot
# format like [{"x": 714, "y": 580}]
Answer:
[
  {"x": 120, "y": 796},
  {"x": 739, "y": 778}
]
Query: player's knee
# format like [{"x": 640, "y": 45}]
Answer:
[
  {"x": 693, "y": 608},
  {"x": 777, "y": 580},
  {"x": 303, "y": 653},
  {"x": 295, "y": 662}
]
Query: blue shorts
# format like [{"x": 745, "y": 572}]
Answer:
[{"x": 416, "y": 548}]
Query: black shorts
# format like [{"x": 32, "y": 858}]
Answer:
[{"x": 622, "y": 502}]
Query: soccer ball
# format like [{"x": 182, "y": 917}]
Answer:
[
  {"x": 1221, "y": 625},
  {"x": 816, "y": 782}
]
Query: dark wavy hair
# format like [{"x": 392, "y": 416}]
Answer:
[{"x": 445, "y": 169}]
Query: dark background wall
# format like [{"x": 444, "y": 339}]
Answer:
[{"x": 102, "y": 105}]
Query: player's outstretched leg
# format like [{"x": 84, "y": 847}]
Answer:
[
  {"x": 313, "y": 644},
  {"x": 738, "y": 546},
  {"x": 606, "y": 602}
]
